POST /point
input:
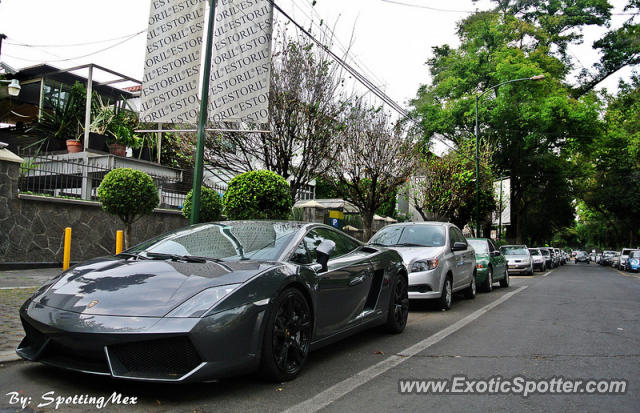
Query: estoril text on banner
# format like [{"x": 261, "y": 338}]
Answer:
[
  {"x": 241, "y": 65},
  {"x": 172, "y": 63}
]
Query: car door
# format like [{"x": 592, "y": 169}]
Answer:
[
  {"x": 464, "y": 260},
  {"x": 497, "y": 260},
  {"x": 342, "y": 290}
]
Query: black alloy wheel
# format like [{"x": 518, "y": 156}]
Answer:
[
  {"x": 287, "y": 336},
  {"x": 399, "y": 306}
]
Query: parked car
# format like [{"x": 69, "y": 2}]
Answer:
[
  {"x": 624, "y": 254},
  {"x": 213, "y": 300},
  {"x": 438, "y": 257},
  {"x": 560, "y": 256},
  {"x": 633, "y": 263},
  {"x": 491, "y": 266},
  {"x": 615, "y": 260},
  {"x": 539, "y": 261},
  {"x": 518, "y": 259},
  {"x": 582, "y": 256},
  {"x": 607, "y": 256},
  {"x": 548, "y": 258}
]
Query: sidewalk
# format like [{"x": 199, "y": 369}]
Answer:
[{"x": 15, "y": 287}]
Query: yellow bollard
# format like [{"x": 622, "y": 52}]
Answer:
[
  {"x": 67, "y": 249},
  {"x": 119, "y": 238}
]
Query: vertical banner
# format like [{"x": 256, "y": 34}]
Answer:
[
  {"x": 241, "y": 65},
  {"x": 172, "y": 63},
  {"x": 506, "y": 201}
]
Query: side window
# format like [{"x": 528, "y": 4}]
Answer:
[
  {"x": 492, "y": 246},
  {"x": 344, "y": 245},
  {"x": 457, "y": 236}
]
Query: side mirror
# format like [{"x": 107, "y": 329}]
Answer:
[
  {"x": 495, "y": 253},
  {"x": 459, "y": 246},
  {"x": 323, "y": 253}
]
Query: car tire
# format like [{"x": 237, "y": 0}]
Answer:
[
  {"x": 470, "y": 291},
  {"x": 487, "y": 286},
  {"x": 398, "y": 306},
  {"x": 287, "y": 336},
  {"x": 504, "y": 283},
  {"x": 446, "y": 298}
]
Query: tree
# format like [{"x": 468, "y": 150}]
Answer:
[
  {"x": 446, "y": 189},
  {"x": 128, "y": 194},
  {"x": 257, "y": 195},
  {"x": 374, "y": 160},
  {"x": 618, "y": 47},
  {"x": 210, "y": 205},
  {"x": 531, "y": 125},
  {"x": 611, "y": 188},
  {"x": 305, "y": 103}
]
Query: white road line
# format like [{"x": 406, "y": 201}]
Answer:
[
  {"x": 547, "y": 273},
  {"x": 333, "y": 393}
]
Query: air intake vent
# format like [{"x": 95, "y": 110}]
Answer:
[{"x": 167, "y": 358}]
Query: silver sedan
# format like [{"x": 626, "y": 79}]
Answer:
[{"x": 437, "y": 256}]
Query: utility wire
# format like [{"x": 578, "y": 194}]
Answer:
[
  {"x": 16, "y": 42},
  {"x": 80, "y": 57}
]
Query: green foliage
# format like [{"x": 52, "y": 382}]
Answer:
[
  {"x": 258, "y": 195},
  {"x": 296, "y": 214},
  {"x": 533, "y": 126},
  {"x": 128, "y": 194},
  {"x": 325, "y": 189},
  {"x": 609, "y": 185},
  {"x": 447, "y": 191},
  {"x": 210, "y": 205}
]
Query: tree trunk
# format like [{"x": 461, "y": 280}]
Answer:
[
  {"x": 127, "y": 236},
  {"x": 367, "y": 223}
]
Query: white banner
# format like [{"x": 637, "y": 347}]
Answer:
[
  {"x": 172, "y": 64},
  {"x": 505, "y": 184},
  {"x": 241, "y": 63}
]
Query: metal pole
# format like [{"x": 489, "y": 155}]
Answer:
[
  {"x": 87, "y": 109},
  {"x": 500, "y": 216},
  {"x": 202, "y": 121},
  {"x": 477, "y": 175},
  {"x": 2, "y": 37}
]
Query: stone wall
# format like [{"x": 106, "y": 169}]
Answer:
[{"x": 32, "y": 227}]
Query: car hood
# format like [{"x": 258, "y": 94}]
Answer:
[
  {"x": 143, "y": 288},
  {"x": 411, "y": 254}
]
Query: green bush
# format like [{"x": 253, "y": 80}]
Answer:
[
  {"x": 258, "y": 195},
  {"x": 128, "y": 194},
  {"x": 210, "y": 205}
]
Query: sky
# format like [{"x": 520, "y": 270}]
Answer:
[{"x": 390, "y": 42}]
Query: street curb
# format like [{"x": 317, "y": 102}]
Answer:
[{"x": 7, "y": 356}]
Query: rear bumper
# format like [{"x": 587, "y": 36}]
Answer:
[{"x": 144, "y": 348}]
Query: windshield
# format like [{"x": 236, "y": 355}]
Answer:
[
  {"x": 626, "y": 251},
  {"x": 479, "y": 246},
  {"x": 634, "y": 254},
  {"x": 228, "y": 241},
  {"x": 514, "y": 251},
  {"x": 410, "y": 235},
  {"x": 534, "y": 252}
]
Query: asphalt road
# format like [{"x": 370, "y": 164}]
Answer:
[{"x": 579, "y": 321}]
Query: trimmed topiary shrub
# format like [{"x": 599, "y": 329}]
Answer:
[
  {"x": 258, "y": 195},
  {"x": 210, "y": 205},
  {"x": 128, "y": 194}
]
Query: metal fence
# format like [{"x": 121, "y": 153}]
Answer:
[{"x": 63, "y": 176}]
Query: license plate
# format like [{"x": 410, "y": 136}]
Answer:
[{"x": 512, "y": 266}]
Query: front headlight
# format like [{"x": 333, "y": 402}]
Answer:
[
  {"x": 425, "y": 265},
  {"x": 197, "y": 305}
]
